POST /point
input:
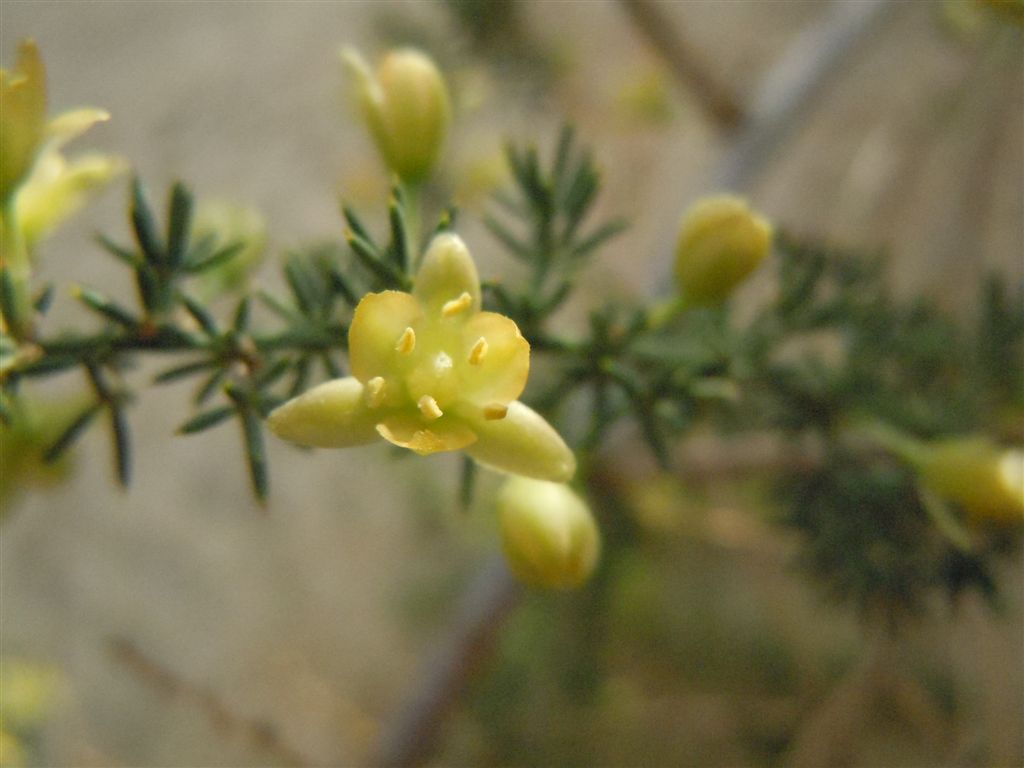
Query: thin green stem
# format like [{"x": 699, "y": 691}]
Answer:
[{"x": 413, "y": 194}]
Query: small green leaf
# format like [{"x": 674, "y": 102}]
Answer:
[
  {"x": 201, "y": 315},
  {"x": 44, "y": 299},
  {"x": 106, "y": 307},
  {"x": 270, "y": 375},
  {"x": 355, "y": 224},
  {"x": 184, "y": 370},
  {"x": 122, "y": 445},
  {"x": 8, "y": 302},
  {"x": 178, "y": 225},
  {"x": 220, "y": 256},
  {"x": 72, "y": 433},
  {"x": 206, "y": 420},
  {"x": 402, "y": 249},
  {"x": 279, "y": 308},
  {"x": 303, "y": 285},
  {"x": 374, "y": 262},
  {"x": 242, "y": 315},
  {"x": 128, "y": 257},
  {"x": 145, "y": 225},
  {"x": 210, "y": 386},
  {"x": 600, "y": 236},
  {"x": 514, "y": 245},
  {"x": 253, "y": 434}
]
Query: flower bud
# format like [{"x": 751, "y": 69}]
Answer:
[
  {"x": 988, "y": 482},
  {"x": 228, "y": 223},
  {"x": 22, "y": 117},
  {"x": 548, "y": 533},
  {"x": 406, "y": 107},
  {"x": 721, "y": 241}
]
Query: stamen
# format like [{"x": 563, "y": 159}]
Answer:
[
  {"x": 479, "y": 350},
  {"x": 429, "y": 408},
  {"x": 495, "y": 411},
  {"x": 375, "y": 391},
  {"x": 406, "y": 342},
  {"x": 453, "y": 307}
]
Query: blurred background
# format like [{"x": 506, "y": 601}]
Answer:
[{"x": 181, "y": 623}]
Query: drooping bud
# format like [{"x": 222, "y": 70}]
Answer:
[
  {"x": 988, "y": 482},
  {"x": 407, "y": 108},
  {"x": 548, "y": 533},
  {"x": 721, "y": 241}
]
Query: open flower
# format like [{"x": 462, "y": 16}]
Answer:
[
  {"x": 38, "y": 185},
  {"x": 431, "y": 372},
  {"x": 57, "y": 187}
]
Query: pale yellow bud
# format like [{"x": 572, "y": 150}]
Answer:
[
  {"x": 548, "y": 533},
  {"x": 988, "y": 482},
  {"x": 22, "y": 117},
  {"x": 721, "y": 241},
  {"x": 407, "y": 108}
]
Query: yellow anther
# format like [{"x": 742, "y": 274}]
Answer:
[
  {"x": 479, "y": 350},
  {"x": 495, "y": 411},
  {"x": 375, "y": 391},
  {"x": 453, "y": 307},
  {"x": 406, "y": 342},
  {"x": 429, "y": 408}
]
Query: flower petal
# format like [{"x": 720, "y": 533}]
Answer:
[
  {"x": 447, "y": 433},
  {"x": 379, "y": 322},
  {"x": 70, "y": 125},
  {"x": 330, "y": 415},
  {"x": 446, "y": 273},
  {"x": 522, "y": 443},
  {"x": 498, "y": 371},
  {"x": 56, "y": 190}
]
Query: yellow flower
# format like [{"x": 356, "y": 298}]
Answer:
[
  {"x": 721, "y": 241},
  {"x": 57, "y": 188},
  {"x": 22, "y": 117},
  {"x": 407, "y": 108},
  {"x": 548, "y": 534},
  {"x": 39, "y": 187},
  {"x": 431, "y": 372}
]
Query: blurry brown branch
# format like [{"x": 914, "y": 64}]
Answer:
[
  {"x": 830, "y": 734},
  {"x": 792, "y": 86},
  {"x": 714, "y": 97},
  {"x": 258, "y": 733},
  {"x": 410, "y": 738}
]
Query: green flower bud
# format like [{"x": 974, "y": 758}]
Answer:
[
  {"x": 406, "y": 106},
  {"x": 548, "y": 533},
  {"x": 227, "y": 223},
  {"x": 721, "y": 241}
]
